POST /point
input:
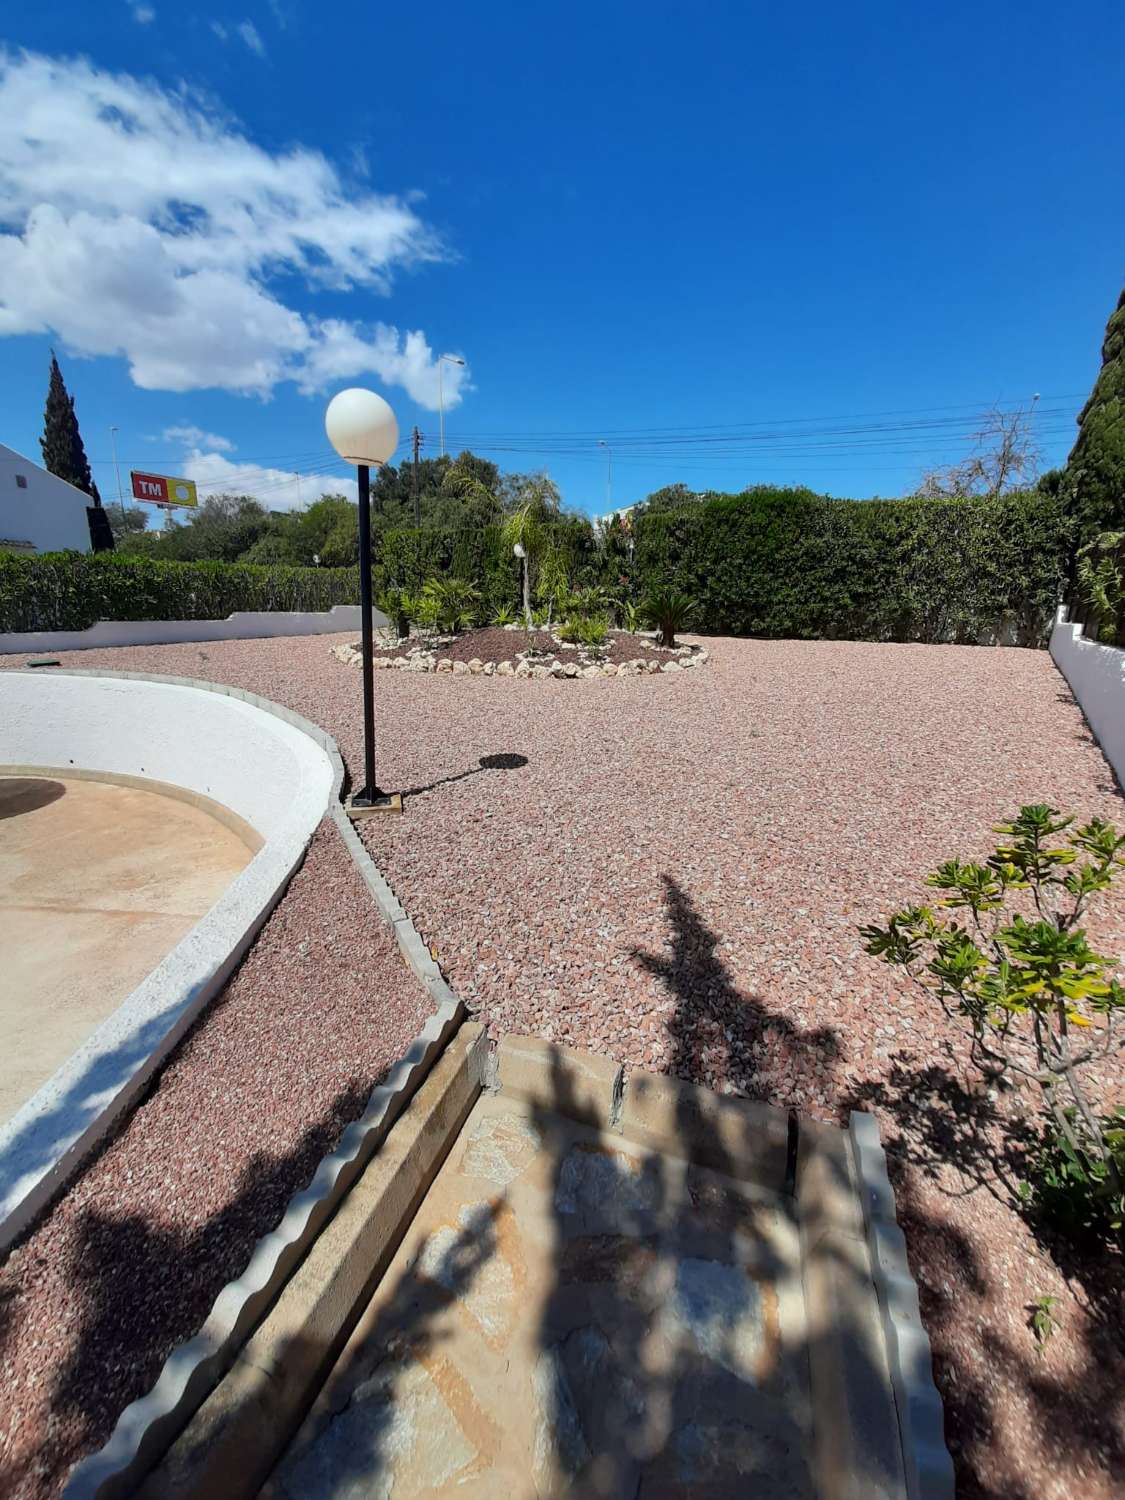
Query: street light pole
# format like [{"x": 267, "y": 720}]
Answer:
[
  {"x": 363, "y": 430},
  {"x": 370, "y": 792},
  {"x": 609, "y": 475},
  {"x": 453, "y": 360}
]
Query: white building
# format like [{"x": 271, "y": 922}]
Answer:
[{"x": 38, "y": 511}]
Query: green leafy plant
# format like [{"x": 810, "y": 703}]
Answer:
[
  {"x": 1041, "y": 1317},
  {"x": 505, "y": 615},
  {"x": 630, "y": 617},
  {"x": 1038, "y": 1002},
  {"x": 401, "y": 607},
  {"x": 668, "y": 611},
  {"x": 448, "y": 604},
  {"x": 1101, "y": 583},
  {"x": 1070, "y": 1186},
  {"x": 588, "y": 631}
]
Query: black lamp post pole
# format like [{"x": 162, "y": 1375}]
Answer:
[{"x": 370, "y": 793}]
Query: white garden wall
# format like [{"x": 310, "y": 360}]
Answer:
[
  {"x": 1096, "y": 675},
  {"x": 257, "y": 763},
  {"x": 243, "y": 626}
]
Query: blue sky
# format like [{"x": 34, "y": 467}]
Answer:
[{"x": 713, "y": 236}]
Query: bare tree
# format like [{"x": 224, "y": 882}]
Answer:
[{"x": 1005, "y": 455}]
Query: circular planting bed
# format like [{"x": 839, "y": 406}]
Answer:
[{"x": 511, "y": 651}]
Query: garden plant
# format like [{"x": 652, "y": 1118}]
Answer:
[{"x": 1039, "y": 1003}]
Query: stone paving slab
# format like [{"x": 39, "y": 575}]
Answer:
[{"x": 572, "y": 1314}]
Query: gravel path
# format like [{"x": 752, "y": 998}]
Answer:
[{"x": 675, "y": 878}]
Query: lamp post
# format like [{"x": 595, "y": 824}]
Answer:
[
  {"x": 362, "y": 429},
  {"x": 453, "y": 359},
  {"x": 609, "y": 475}
]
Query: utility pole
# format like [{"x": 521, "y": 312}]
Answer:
[{"x": 417, "y": 502}]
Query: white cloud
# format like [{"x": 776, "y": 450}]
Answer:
[
  {"x": 144, "y": 15},
  {"x": 195, "y": 437},
  {"x": 137, "y": 223},
  {"x": 277, "y": 489},
  {"x": 249, "y": 34}
]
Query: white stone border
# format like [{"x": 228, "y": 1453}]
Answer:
[
  {"x": 421, "y": 659},
  {"x": 242, "y": 626},
  {"x": 1096, "y": 676},
  {"x": 921, "y": 1420},
  {"x": 195, "y": 1366}
]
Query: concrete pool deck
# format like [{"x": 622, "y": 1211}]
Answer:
[{"x": 98, "y": 882}]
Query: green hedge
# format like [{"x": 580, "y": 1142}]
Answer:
[
  {"x": 789, "y": 563},
  {"x": 72, "y": 590}
]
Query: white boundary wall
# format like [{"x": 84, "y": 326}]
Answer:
[
  {"x": 248, "y": 625},
  {"x": 268, "y": 771},
  {"x": 1096, "y": 675}
]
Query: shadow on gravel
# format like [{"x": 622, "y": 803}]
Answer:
[
  {"x": 942, "y": 1122},
  {"x": 717, "y": 1028},
  {"x": 504, "y": 761}
]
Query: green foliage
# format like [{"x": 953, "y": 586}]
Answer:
[
  {"x": 401, "y": 607},
  {"x": 1102, "y": 584},
  {"x": 1038, "y": 1001},
  {"x": 505, "y": 615},
  {"x": 630, "y": 617},
  {"x": 222, "y": 529},
  {"x": 1044, "y": 1324},
  {"x": 669, "y": 611},
  {"x": 790, "y": 563},
  {"x": 1094, "y": 482},
  {"x": 448, "y": 604},
  {"x": 1070, "y": 1186},
  {"x": 589, "y": 631},
  {"x": 72, "y": 590}
]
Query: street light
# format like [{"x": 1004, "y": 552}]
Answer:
[
  {"x": 362, "y": 429},
  {"x": 453, "y": 360},
  {"x": 609, "y": 475}
]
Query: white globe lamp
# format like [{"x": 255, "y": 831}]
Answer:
[{"x": 362, "y": 429}]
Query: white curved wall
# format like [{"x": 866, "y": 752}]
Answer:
[{"x": 275, "y": 776}]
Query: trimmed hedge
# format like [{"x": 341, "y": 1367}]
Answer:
[
  {"x": 788, "y": 563},
  {"x": 72, "y": 590}
]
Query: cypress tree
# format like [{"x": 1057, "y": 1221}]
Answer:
[
  {"x": 64, "y": 453},
  {"x": 1095, "y": 471}
]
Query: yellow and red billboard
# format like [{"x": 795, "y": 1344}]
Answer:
[{"x": 161, "y": 489}]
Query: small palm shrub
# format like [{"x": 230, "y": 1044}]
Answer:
[
  {"x": 1037, "y": 1001},
  {"x": 668, "y": 611},
  {"x": 505, "y": 615},
  {"x": 401, "y": 607},
  {"x": 448, "y": 604},
  {"x": 591, "y": 632}
]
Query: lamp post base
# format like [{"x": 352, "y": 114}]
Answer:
[{"x": 365, "y": 805}]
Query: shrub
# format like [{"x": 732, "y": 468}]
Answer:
[
  {"x": 589, "y": 631},
  {"x": 1037, "y": 1000},
  {"x": 505, "y": 615},
  {"x": 402, "y": 607},
  {"x": 1101, "y": 584},
  {"x": 630, "y": 617},
  {"x": 1070, "y": 1186},
  {"x": 449, "y": 604},
  {"x": 668, "y": 611},
  {"x": 73, "y": 590}
]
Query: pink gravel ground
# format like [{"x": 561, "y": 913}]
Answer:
[{"x": 675, "y": 878}]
